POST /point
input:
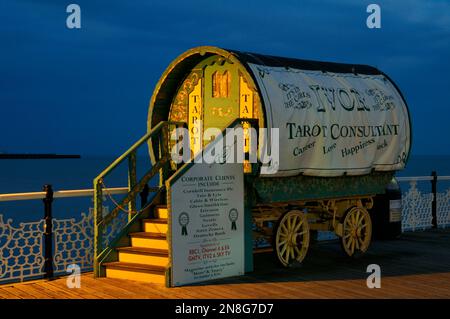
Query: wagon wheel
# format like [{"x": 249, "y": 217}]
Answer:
[
  {"x": 292, "y": 238},
  {"x": 357, "y": 231}
]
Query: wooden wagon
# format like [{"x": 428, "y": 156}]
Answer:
[{"x": 344, "y": 130}]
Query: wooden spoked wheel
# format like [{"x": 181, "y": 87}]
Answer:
[
  {"x": 292, "y": 238},
  {"x": 357, "y": 231}
]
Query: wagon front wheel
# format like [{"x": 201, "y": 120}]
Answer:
[
  {"x": 292, "y": 238},
  {"x": 357, "y": 231}
]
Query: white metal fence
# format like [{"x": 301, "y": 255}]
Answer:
[
  {"x": 22, "y": 254},
  {"x": 417, "y": 202}
]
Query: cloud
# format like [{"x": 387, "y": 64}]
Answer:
[
  {"x": 110, "y": 65},
  {"x": 434, "y": 14}
]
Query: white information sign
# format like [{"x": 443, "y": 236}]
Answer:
[
  {"x": 334, "y": 123},
  {"x": 207, "y": 209}
]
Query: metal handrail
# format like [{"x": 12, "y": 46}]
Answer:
[
  {"x": 8, "y": 197},
  {"x": 160, "y": 132},
  {"x": 421, "y": 178},
  {"x": 133, "y": 185},
  {"x": 59, "y": 194},
  {"x": 233, "y": 123},
  {"x": 135, "y": 146},
  {"x": 414, "y": 178}
]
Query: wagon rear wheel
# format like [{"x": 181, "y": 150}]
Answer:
[
  {"x": 357, "y": 231},
  {"x": 292, "y": 238}
]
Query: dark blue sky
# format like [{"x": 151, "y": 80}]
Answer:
[{"x": 87, "y": 91}]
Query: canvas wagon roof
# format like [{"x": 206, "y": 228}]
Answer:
[
  {"x": 277, "y": 61},
  {"x": 183, "y": 64}
]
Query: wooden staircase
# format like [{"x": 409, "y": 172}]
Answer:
[{"x": 148, "y": 256}]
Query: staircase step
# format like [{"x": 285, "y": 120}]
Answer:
[
  {"x": 161, "y": 211},
  {"x": 157, "y": 225},
  {"x": 149, "y": 240},
  {"x": 145, "y": 251},
  {"x": 137, "y": 272},
  {"x": 137, "y": 267},
  {"x": 146, "y": 256}
]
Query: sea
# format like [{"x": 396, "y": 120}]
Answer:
[{"x": 19, "y": 176}]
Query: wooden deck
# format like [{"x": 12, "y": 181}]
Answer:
[{"x": 415, "y": 266}]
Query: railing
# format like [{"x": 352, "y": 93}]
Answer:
[
  {"x": 421, "y": 209},
  {"x": 159, "y": 139},
  {"x": 47, "y": 246},
  {"x": 24, "y": 249}
]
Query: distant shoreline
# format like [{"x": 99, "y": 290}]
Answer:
[{"x": 38, "y": 156}]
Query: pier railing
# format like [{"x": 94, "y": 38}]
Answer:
[
  {"x": 423, "y": 205},
  {"x": 47, "y": 246}
]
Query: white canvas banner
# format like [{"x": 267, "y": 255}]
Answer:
[{"x": 334, "y": 123}]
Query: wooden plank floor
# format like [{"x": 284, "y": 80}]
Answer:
[{"x": 415, "y": 266}]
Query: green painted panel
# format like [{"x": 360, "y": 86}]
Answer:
[{"x": 283, "y": 189}]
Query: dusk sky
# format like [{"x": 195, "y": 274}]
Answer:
[{"x": 86, "y": 91}]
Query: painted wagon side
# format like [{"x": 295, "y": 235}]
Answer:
[{"x": 355, "y": 112}]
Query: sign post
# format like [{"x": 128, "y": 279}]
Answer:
[{"x": 207, "y": 228}]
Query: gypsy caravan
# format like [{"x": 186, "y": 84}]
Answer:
[{"x": 333, "y": 135}]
